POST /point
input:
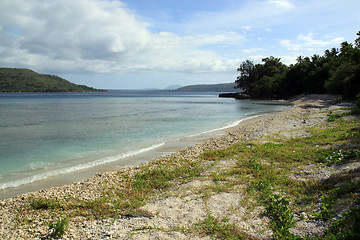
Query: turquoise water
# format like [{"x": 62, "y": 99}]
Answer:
[{"x": 47, "y": 134}]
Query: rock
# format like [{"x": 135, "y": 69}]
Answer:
[{"x": 234, "y": 95}]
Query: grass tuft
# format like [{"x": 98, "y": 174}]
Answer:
[
  {"x": 58, "y": 228},
  {"x": 220, "y": 229}
]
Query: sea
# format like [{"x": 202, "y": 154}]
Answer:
[{"x": 43, "y": 135}]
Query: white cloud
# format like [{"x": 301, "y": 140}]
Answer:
[
  {"x": 99, "y": 36},
  {"x": 309, "y": 43},
  {"x": 280, "y": 4},
  {"x": 251, "y": 50},
  {"x": 287, "y": 60}
]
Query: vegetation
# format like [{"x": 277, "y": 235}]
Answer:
[
  {"x": 123, "y": 199},
  {"x": 220, "y": 229},
  {"x": 224, "y": 87},
  {"x": 25, "y": 80},
  {"x": 337, "y": 72},
  {"x": 266, "y": 167},
  {"x": 58, "y": 228}
]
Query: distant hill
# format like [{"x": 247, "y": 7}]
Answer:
[
  {"x": 222, "y": 87},
  {"x": 26, "y": 80},
  {"x": 173, "y": 87}
]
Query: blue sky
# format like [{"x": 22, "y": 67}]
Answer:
[{"x": 134, "y": 44}]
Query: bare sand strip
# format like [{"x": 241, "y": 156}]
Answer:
[{"x": 182, "y": 205}]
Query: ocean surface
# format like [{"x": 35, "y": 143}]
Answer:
[{"x": 49, "y": 134}]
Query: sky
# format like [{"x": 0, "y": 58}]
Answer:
[{"x": 138, "y": 44}]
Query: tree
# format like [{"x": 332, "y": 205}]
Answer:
[
  {"x": 357, "y": 41},
  {"x": 261, "y": 80},
  {"x": 293, "y": 82},
  {"x": 345, "y": 72},
  {"x": 272, "y": 75},
  {"x": 334, "y": 52},
  {"x": 246, "y": 70}
]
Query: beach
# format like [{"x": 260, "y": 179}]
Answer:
[{"x": 182, "y": 204}]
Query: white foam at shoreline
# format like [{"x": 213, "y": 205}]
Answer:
[
  {"x": 226, "y": 126},
  {"x": 98, "y": 162}
]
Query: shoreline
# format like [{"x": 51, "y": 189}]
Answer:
[
  {"x": 164, "y": 150},
  {"x": 172, "y": 209}
]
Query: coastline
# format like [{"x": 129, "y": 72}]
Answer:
[
  {"x": 83, "y": 173},
  {"x": 308, "y": 111}
]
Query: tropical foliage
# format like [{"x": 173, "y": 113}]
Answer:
[{"x": 336, "y": 72}]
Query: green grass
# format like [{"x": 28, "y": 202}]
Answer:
[
  {"x": 278, "y": 209},
  {"x": 42, "y": 203},
  {"x": 127, "y": 197},
  {"x": 220, "y": 229},
  {"x": 266, "y": 167},
  {"x": 58, "y": 228}
]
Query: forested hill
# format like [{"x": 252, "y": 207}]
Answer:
[
  {"x": 26, "y": 80},
  {"x": 222, "y": 87}
]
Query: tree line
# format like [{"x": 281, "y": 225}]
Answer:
[{"x": 336, "y": 72}]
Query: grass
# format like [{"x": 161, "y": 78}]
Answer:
[
  {"x": 266, "y": 168},
  {"x": 277, "y": 207},
  {"x": 42, "y": 203},
  {"x": 58, "y": 228},
  {"x": 125, "y": 198},
  {"x": 220, "y": 229}
]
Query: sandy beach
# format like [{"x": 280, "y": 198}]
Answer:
[{"x": 182, "y": 205}]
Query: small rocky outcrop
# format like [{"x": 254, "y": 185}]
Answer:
[{"x": 235, "y": 95}]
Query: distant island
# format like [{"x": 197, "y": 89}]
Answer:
[
  {"x": 26, "y": 80},
  {"x": 222, "y": 87}
]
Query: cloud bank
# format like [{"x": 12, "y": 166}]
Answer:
[{"x": 99, "y": 36}]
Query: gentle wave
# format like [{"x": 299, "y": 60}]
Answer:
[
  {"x": 226, "y": 126},
  {"x": 98, "y": 162}
]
